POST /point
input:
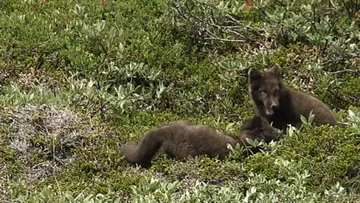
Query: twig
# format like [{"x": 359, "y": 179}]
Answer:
[
  {"x": 232, "y": 18},
  {"x": 210, "y": 25},
  {"x": 225, "y": 40},
  {"x": 344, "y": 71}
]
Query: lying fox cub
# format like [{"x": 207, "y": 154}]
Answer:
[{"x": 182, "y": 139}]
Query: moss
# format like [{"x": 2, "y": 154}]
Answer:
[
  {"x": 325, "y": 153},
  {"x": 199, "y": 168},
  {"x": 8, "y": 156},
  {"x": 261, "y": 164}
]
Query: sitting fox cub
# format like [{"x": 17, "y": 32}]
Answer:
[
  {"x": 183, "y": 139},
  {"x": 282, "y": 105}
]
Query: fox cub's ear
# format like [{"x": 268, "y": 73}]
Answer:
[
  {"x": 276, "y": 71},
  {"x": 264, "y": 122},
  {"x": 255, "y": 74}
]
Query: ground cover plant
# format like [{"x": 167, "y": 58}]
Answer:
[{"x": 78, "y": 78}]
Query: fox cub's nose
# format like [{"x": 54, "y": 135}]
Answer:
[{"x": 273, "y": 106}]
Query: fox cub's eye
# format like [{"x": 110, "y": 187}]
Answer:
[{"x": 263, "y": 93}]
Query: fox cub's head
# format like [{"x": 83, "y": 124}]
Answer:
[
  {"x": 268, "y": 132},
  {"x": 265, "y": 89},
  {"x": 263, "y": 131}
]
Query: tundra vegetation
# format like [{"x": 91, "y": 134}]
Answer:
[{"x": 78, "y": 78}]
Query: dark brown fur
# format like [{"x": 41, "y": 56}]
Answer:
[
  {"x": 182, "y": 139},
  {"x": 282, "y": 105}
]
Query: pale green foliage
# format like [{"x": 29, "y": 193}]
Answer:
[
  {"x": 48, "y": 195},
  {"x": 15, "y": 96},
  {"x": 153, "y": 190},
  {"x": 260, "y": 189},
  {"x": 354, "y": 118}
]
